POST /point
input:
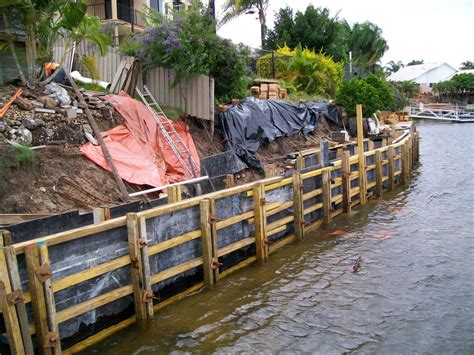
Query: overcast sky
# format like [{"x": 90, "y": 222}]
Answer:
[{"x": 432, "y": 30}]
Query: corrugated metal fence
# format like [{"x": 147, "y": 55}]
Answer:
[{"x": 196, "y": 98}]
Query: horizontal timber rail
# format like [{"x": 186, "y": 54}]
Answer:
[{"x": 200, "y": 240}]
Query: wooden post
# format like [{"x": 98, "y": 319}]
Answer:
[
  {"x": 38, "y": 301},
  {"x": 378, "y": 173},
  {"x": 371, "y": 145},
  {"x": 229, "y": 180},
  {"x": 360, "y": 153},
  {"x": 174, "y": 193},
  {"x": 324, "y": 152},
  {"x": 327, "y": 195},
  {"x": 52, "y": 338},
  {"x": 12, "y": 323},
  {"x": 300, "y": 162},
  {"x": 298, "y": 205},
  {"x": 14, "y": 274},
  {"x": 391, "y": 168},
  {"x": 346, "y": 181},
  {"x": 260, "y": 218},
  {"x": 98, "y": 214},
  {"x": 205, "y": 210},
  {"x": 404, "y": 155},
  {"x": 384, "y": 142},
  {"x": 6, "y": 237},
  {"x": 136, "y": 265},
  {"x": 147, "y": 297},
  {"x": 215, "y": 249}
]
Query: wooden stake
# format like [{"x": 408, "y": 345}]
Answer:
[
  {"x": 136, "y": 265},
  {"x": 98, "y": 215},
  {"x": 360, "y": 152},
  {"x": 260, "y": 221},
  {"x": 300, "y": 164},
  {"x": 371, "y": 145},
  {"x": 52, "y": 338},
  {"x": 298, "y": 207},
  {"x": 215, "y": 249},
  {"x": 327, "y": 195},
  {"x": 14, "y": 274},
  {"x": 346, "y": 181},
  {"x": 391, "y": 168},
  {"x": 147, "y": 293},
  {"x": 404, "y": 158},
  {"x": 174, "y": 193},
  {"x": 38, "y": 301},
  {"x": 100, "y": 139},
  {"x": 10, "y": 318},
  {"x": 6, "y": 237},
  {"x": 205, "y": 210},
  {"x": 378, "y": 173}
]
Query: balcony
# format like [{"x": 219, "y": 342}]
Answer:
[{"x": 125, "y": 14}]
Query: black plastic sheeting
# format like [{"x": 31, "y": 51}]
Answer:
[{"x": 253, "y": 122}]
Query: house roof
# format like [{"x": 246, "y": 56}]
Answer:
[
  {"x": 464, "y": 71},
  {"x": 412, "y": 72}
]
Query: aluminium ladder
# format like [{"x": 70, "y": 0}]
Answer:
[{"x": 172, "y": 137}]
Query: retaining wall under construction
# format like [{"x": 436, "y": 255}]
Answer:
[{"x": 64, "y": 291}]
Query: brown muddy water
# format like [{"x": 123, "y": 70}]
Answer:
[{"x": 414, "y": 292}]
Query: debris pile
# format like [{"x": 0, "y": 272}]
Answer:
[
  {"x": 271, "y": 91},
  {"x": 50, "y": 116}
]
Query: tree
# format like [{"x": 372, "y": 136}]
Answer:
[
  {"x": 367, "y": 44},
  {"x": 415, "y": 62},
  {"x": 392, "y": 67},
  {"x": 44, "y": 21},
  {"x": 314, "y": 29},
  {"x": 467, "y": 65},
  {"x": 235, "y": 8}
]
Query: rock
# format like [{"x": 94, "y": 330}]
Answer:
[
  {"x": 21, "y": 135},
  {"x": 23, "y": 103},
  {"x": 48, "y": 102},
  {"x": 38, "y": 104},
  {"x": 42, "y": 189},
  {"x": 31, "y": 123},
  {"x": 57, "y": 93},
  {"x": 3, "y": 126}
]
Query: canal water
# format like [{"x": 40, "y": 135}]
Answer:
[{"x": 413, "y": 293}]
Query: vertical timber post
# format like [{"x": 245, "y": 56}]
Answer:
[
  {"x": 378, "y": 173},
  {"x": 298, "y": 205},
  {"x": 404, "y": 157},
  {"x": 53, "y": 339},
  {"x": 215, "y": 248},
  {"x": 10, "y": 318},
  {"x": 174, "y": 193},
  {"x": 136, "y": 265},
  {"x": 18, "y": 298},
  {"x": 360, "y": 153},
  {"x": 147, "y": 292},
  {"x": 324, "y": 153},
  {"x": 260, "y": 218},
  {"x": 98, "y": 214},
  {"x": 327, "y": 195},
  {"x": 205, "y": 213},
  {"x": 346, "y": 181},
  {"x": 35, "y": 270},
  {"x": 300, "y": 162},
  {"x": 391, "y": 167}
]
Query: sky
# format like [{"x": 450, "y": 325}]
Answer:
[{"x": 432, "y": 30}]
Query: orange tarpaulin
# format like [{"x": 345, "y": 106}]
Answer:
[{"x": 138, "y": 148}]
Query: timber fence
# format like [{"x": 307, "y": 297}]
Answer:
[
  {"x": 195, "y": 98},
  {"x": 69, "y": 290}
]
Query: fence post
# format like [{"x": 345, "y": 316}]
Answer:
[
  {"x": 300, "y": 162},
  {"x": 404, "y": 174},
  {"x": 205, "y": 213},
  {"x": 298, "y": 205},
  {"x": 136, "y": 265},
  {"x": 346, "y": 181},
  {"x": 174, "y": 193},
  {"x": 324, "y": 153},
  {"x": 36, "y": 271},
  {"x": 18, "y": 298},
  {"x": 145, "y": 258},
  {"x": 10, "y": 318},
  {"x": 260, "y": 218},
  {"x": 391, "y": 167},
  {"x": 327, "y": 195},
  {"x": 360, "y": 153},
  {"x": 378, "y": 173}
]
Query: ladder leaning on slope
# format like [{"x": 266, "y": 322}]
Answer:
[{"x": 172, "y": 137}]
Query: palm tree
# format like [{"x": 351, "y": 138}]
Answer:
[
  {"x": 392, "y": 67},
  {"x": 235, "y": 8},
  {"x": 367, "y": 44}
]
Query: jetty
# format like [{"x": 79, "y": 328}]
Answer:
[{"x": 443, "y": 112}]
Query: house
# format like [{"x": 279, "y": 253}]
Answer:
[
  {"x": 125, "y": 16},
  {"x": 424, "y": 74}
]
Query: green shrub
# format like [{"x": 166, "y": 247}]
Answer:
[
  {"x": 372, "y": 92},
  {"x": 265, "y": 66},
  {"x": 24, "y": 156}
]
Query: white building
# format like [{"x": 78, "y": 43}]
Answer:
[{"x": 424, "y": 74}]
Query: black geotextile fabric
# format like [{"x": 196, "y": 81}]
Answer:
[{"x": 253, "y": 122}]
